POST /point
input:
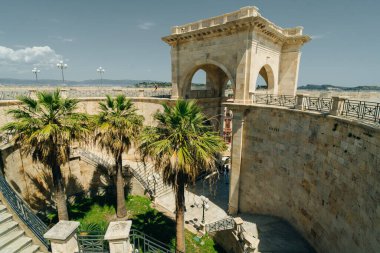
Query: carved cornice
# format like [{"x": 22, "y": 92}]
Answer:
[{"x": 233, "y": 23}]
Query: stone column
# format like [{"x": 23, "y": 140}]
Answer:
[
  {"x": 289, "y": 65},
  {"x": 337, "y": 105},
  {"x": 63, "y": 237},
  {"x": 118, "y": 236},
  {"x": 301, "y": 101},
  {"x": 236, "y": 155}
]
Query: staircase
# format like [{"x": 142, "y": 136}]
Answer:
[
  {"x": 144, "y": 173},
  {"x": 152, "y": 180},
  {"x": 12, "y": 237}
]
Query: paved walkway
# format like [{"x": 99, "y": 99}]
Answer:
[
  {"x": 217, "y": 193},
  {"x": 275, "y": 234}
]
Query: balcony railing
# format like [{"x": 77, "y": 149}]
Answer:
[{"x": 366, "y": 112}]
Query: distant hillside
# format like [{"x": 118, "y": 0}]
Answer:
[
  {"x": 329, "y": 87},
  {"x": 106, "y": 82}
]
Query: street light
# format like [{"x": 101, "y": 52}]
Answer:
[
  {"x": 101, "y": 70},
  {"x": 36, "y": 71},
  {"x": 205, "y": 206},
  {"x": 62, "y": 66}
]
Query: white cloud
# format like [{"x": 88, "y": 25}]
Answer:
[
  {"x": 146, "y": 25},
  {"x": 41, "y": 56}
]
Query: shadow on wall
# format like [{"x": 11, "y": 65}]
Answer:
[{"x": 79, "y": 201}]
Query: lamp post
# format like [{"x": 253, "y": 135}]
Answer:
[
  {"x": 62, "y": 66},
  {"x": 36, "y": 71},
  {"x": 101, "y": 70},
  {"x": 205, "y": 206}
]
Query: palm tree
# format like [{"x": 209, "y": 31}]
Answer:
[
  {"x": 117, "y": 128},
  {"x": 182, "y": 145},
  {"x": 45, "y": 128}
]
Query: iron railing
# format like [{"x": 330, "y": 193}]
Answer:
[
  {"x": 367, "y": 111},
  {"x": 142, "y": 243},
  {"x": 270, "y": 99},
  {"x": 318, "y": 104},
  {"x": 30, "y": 219},
  {"x": 220, "y": 225},
  {"x": 92, "y": 242}
]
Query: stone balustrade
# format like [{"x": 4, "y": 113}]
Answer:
[
  {"x": 249, "y": 11},
  {"x": 63, "y": 237}
]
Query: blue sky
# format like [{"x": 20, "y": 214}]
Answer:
[{"x": 124, "y": 37}]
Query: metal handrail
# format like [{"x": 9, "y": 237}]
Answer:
[
  {"x": 92, "y": 241},
  {"x": 220, "y": 225},
  {"x": 146, "y": 243},
  {"x": 362, "y": 110},
  {"x": 23, "y": 211}
]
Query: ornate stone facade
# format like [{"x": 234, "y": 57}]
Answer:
[{"x": 235, "y": 47}]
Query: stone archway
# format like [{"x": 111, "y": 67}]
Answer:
[
  {"x": 240, "y": 43},
  {"x": 266, "y": 73},
  {"x": 217, "y": 77}
]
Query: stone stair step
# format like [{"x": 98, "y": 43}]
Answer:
[
  {"x": 7, "y": 226},
  {"x": 30, "y": 249},
  {"x": 9, "y": 238},
  {"x": 2, "y": 208},
  {"x": 18, "y": 244},
  {"x": 4, "y": 217}
]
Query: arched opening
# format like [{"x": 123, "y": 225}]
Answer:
[
  {"x": 198, "y": 81},
  {"x": 208, "y": 81},
  {"x": 265, "y": 79}
]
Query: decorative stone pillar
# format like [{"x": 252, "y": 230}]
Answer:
[
  {"x": 236, "y": 155},
  {"x": 63, "y": 237},
  {"x": 301, "y": 101},
  {"x": 118, "y": 236},
  {"x": 141, "y": 93},
  {"x": 337, "y": 105},
  {"x": 239, "y": 227}
]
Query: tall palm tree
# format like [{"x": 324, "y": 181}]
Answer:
[
  {"x": 182, "y": 145},
  {"x": 45, "y": 128},
  {"x": 117, "y": 128}
]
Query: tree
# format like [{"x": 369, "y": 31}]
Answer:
[
  {"x": 45, "y": 128},
  {"x": 182, "y": 145},
  {"x": 117, "y": 128}
]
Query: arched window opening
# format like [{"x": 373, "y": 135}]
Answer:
[
  {"x": 262, "y": 80},
  {"x": 229, "y": 92},
  {"x": 198, "y": 81}
]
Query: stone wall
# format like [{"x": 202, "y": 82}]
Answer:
[{"x": 320, "y": 173}]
